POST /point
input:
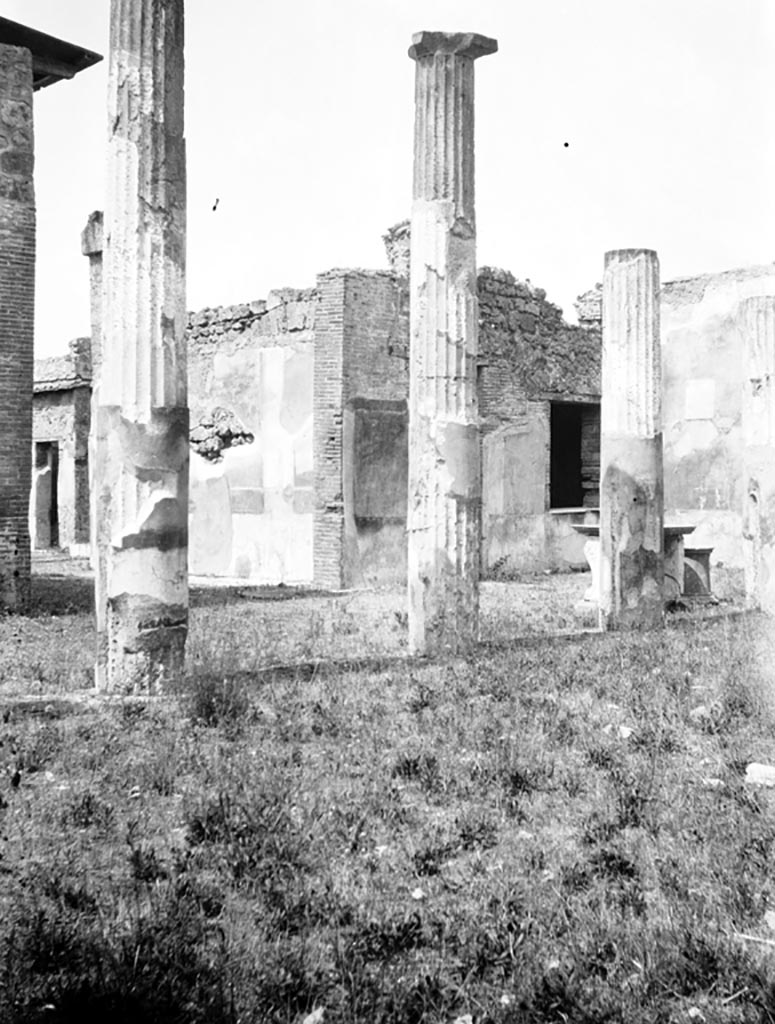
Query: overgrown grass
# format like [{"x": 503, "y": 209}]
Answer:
[{"x": 554, "y": 831}]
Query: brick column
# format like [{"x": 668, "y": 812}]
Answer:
[
  {"x": 142, "y": 428},
  {"x": 757, "y": 323},
  {"x": 444, "y": 511},
  {"x": 17, "y": 319},
  {"x": 631, "y": 488},
  {"x": 327, "y": 441}
]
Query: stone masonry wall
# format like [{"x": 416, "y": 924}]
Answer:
[
  {"x": 527, "y": 350},
  {"x": 17, "y": 300}
]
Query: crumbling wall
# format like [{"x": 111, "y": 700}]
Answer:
[
  {"x": 251, "y": 509},
  {"x": 528, "y": 357},
  {"x": 216, "y": 432}
]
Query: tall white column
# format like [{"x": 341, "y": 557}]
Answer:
[
  {"x": 631, "y": 484},
  {"x": 142, "y": 417},
  {"x": 444, "y": 513}
]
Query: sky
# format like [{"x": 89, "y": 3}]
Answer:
[{"x": 299, "y": 121}]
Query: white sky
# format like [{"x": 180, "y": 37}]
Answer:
[{"x": 300, "y": 115}]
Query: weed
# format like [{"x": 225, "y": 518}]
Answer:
[
  {"x": 58, "y": 965},
  {"x": 216, "y": 700},
  {"x": 478, "y": 830},
  {"x": 39, "y": 746},
  {"x": 422, "y": 768},
  {"x": 379, "y": 940},
  {"x": 428, "y": 860},
  {"x": 87, "y": 811}
]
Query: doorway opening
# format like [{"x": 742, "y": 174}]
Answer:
[
  {"x": 45, "y": 482},
  {"x": 574, "y": 480}
]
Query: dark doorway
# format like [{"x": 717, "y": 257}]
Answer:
[
  {"x": 44, "y": 490},
  {"x": 575, "y": 455}
]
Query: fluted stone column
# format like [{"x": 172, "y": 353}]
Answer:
[
  {"x": 444, "y": 512},
  {"x": 142, "y": 428},
  {"x": 757, "y": 323},
  {"x": 631, "y": 489},
  {"x": 17, "y": 319}
]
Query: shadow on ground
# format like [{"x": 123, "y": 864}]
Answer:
[{"x": 56, "y": 594}]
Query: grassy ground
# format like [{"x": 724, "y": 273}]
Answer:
[{"x": 556, "y": 830}]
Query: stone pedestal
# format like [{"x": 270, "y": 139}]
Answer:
[
  {"x": 141, "y": 423},
  {"x": 444, "y": 509},
  {"x": 757, "y": 324},
  {"x": 17, "y": 319},
  {"x": 631, "y": 498}
]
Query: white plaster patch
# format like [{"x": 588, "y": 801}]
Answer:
[
  {"x": 271, "y": 550},
  {"x": 278, "y": 445},
  {"x": 161, "y": 575},
  {"x": 700, "y": 398},
  {"x": 697, "y": 435}
]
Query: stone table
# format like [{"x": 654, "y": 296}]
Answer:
[{"x": 673, "y": 539}]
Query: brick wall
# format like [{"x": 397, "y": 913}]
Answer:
[
  {"x": 17, "y": 300},
  {"x": 328, "y": 413},
  {"x": 375, "y": 444},
  {"x": 590, "y": 456},
  {"x": 361, "y": 340},
  {"x": 376, "y": 336}
]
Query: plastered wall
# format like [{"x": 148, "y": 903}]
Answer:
[
  {"x": 61, "y": 414},
  {"x": 251, "y": 510},
  {"x": 702, "y": 381}
]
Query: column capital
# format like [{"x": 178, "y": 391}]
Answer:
[
  {"x": 625, "y": 255},
  {"x": 457, "y": 44}
]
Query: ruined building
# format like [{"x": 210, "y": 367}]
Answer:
[
  {"x": 299, "y": 420},
  {"x": 29, "y": 61}
]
